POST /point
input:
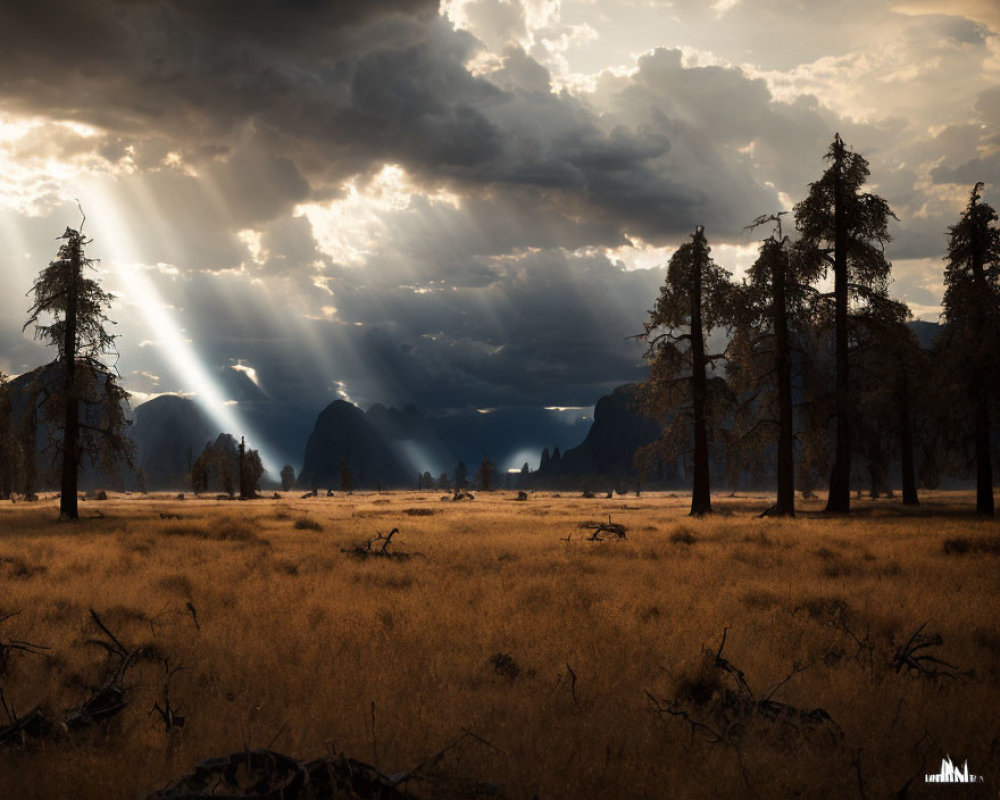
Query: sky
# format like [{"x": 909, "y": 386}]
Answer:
[{"x": 461, "y": 205}]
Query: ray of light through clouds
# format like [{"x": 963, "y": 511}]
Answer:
[
  {"x": 179, "y": 352},
  {"x": 460, "y": 205},
  {"x": 175, "y": 346}
]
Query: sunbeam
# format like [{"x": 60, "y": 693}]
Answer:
[
  {"x": 177, "y": 349},
  {"x": 119, "y": 247}
]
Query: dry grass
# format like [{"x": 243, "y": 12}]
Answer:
[{"x": 496, "y": 624}]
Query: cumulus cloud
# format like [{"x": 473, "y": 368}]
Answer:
[
  {"x": 266, "y": 125},
  {"x": 415, "y": 206}
]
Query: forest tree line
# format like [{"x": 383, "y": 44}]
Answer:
[
  {"x": 816, "y": 382},
  {"x": 780, "y": 372}
]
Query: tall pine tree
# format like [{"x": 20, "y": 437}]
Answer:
[
  {"x": 776, "y": 303},
  {"x": 694, "y": 300},
  {"x": 85, "y": 407},
  {"x": 972, "y": 336},
  {"x": 845, "y": 229}
]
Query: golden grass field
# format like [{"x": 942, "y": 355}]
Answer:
[{"x": 298, "y": 639}]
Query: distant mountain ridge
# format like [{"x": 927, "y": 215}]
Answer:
[
  {"x": 391, "y": 446},
  {"x": 169, "y": 434},
  {"x": 618, "y": 430},
  {"x": 343, "y": 436}
]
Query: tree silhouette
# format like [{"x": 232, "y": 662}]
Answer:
[
  {"x": 543, "y": 464},
  {"x": 485, "y": 474},
  {"x": 228, "y": 465},
  {"x": 200, "y": 470},
  {"x": 287, "y": 477},
  {"x": 245, "y": 492},
  {"x": 891, "y": 388},
  {"x": 694, "y": 300},
  {"x": 8, "y": 441},
  {"x": 251, "y": 470},
  {"x": 972, "y": 312},
  {"x": 846, "y": 229},
  {"x": 461, "y": 476},
  {"x": 774, "y": 305},
  {"x": 85, "y": 407},
  {"x": 27, "y": 434},
  {"x": 17, "y": 444},
  {"x": 346, "y": 476}
]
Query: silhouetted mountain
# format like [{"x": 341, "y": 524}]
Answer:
[
  {"x": 169, "y": 434},
  {"x": 27, "y": 388},
  {"x": 343, "y": 433},
  {"x": 436, "y": 441},
  {"x": 617, "y": 432},
  {"x": 926, "y": 332}
]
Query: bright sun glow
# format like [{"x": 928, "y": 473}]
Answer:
[{"x": 353, "y": 227}]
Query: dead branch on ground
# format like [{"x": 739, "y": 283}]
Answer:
[
  {"x": 11, "y": 646},
  {"x": 171, "y": 719},
  {"x": 730, "y": 713},
  {"x": 377, "y": 547},
  {"x": 266, "y": 773},
  {"x": 106, "y": 700},
  {"x": 913, "y": 656},
  {"x": 615, "y": 529}
]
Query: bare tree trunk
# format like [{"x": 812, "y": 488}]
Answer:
[
  {"x": 701, "y": 498},
  {"x": 28, "y": 436},
  {"x": 786, "y": 441},
  {"x": 839, "y": 498},
  {"x": 906, "y": 444},
  {"x": 71, "y": 420},
  {"x": 7, "y": 447},
  {"x": 984, "y": 464},
  {"x": 244, "y": 491}
]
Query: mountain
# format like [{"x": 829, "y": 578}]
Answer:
[
  {"x": 926, "y": 332},
  {"x": 343, "y": 434},
  {"x": 169, "y": 434},
  {"x": 617, "y": 432},
  {"x": 25, "y": 390}
]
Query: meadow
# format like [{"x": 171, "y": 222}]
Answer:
[{"x": 558, "y": 667}]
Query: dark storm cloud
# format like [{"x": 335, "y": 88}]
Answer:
[
  {"x": 550, "y": 329},
  {"x": 18, "y": 354},
  {"x": 988, "y": 105},
  {"x": 290, "y": 246},
  {"x": 429, "y": 243},
  {"x": 324, "y": 91},
  {"x": 959, "y": 142},
  {"x": 970, "y": 172}
]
